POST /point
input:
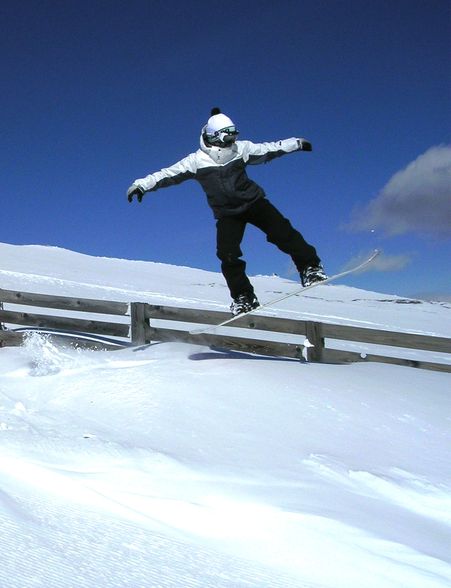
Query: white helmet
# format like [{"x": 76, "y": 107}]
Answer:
[{"x": 220, "y": 130}]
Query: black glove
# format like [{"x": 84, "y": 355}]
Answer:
[
  {"x": 304, "y": 145},
  {"x": 135, "y": 191}
]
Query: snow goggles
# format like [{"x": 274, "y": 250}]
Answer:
[
  {"x": 228, "y": 131},
  {"x": 226, "y": 135}
]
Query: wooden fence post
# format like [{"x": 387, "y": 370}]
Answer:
[
  {"x": 313, "y": 332},
  {"x": 138, "y": 323}
]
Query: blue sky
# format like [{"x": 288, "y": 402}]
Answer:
[{"x": 97, "y": 93}]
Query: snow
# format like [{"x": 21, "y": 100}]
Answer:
[{"x": 181, "y": 466}]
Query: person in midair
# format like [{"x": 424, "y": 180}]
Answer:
[{"x": 219, "y": 165}]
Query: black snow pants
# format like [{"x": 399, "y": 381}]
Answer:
[{"x": 278, "y": 230}]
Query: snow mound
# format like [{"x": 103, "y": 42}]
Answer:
[{"x": 178, "y": 465}]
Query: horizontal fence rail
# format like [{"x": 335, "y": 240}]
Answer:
[
  {"x": 250, "y": 333},
  {"x": 64, "y": 302},
  {"x": 62, "y": 323},
  {"x": 69, "y": 324}
]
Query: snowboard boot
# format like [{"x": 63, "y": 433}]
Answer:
[
  {"x": 244, "y": 303},
  {"x": 312, "y": 274}
]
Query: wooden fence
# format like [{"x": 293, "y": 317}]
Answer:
[
  {"x": 139, "y": 323},
  {"x": 110, "y": 328}
]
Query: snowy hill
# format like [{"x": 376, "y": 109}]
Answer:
[{"x": 178, "y": 466}]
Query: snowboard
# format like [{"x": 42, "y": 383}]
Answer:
[{"x": 297, "y": 292}]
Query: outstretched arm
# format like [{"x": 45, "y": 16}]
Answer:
[
  {"x": 169, "y": 176},
  {"x": 263, "y": 152}
]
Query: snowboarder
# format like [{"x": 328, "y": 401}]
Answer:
[{"x": 220, "y": 168}]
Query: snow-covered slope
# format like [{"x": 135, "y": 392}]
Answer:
[
  {"x": 51, "y": 270},
  {"x": 182, "y": 466}
]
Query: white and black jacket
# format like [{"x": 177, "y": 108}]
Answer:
[{"x": 222, "y": 173}]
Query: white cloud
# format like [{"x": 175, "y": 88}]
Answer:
[
  {"x": 416, "y": 199},
  {"x": 391, "y": 263},
  {"x": 383, "y": 262}
]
